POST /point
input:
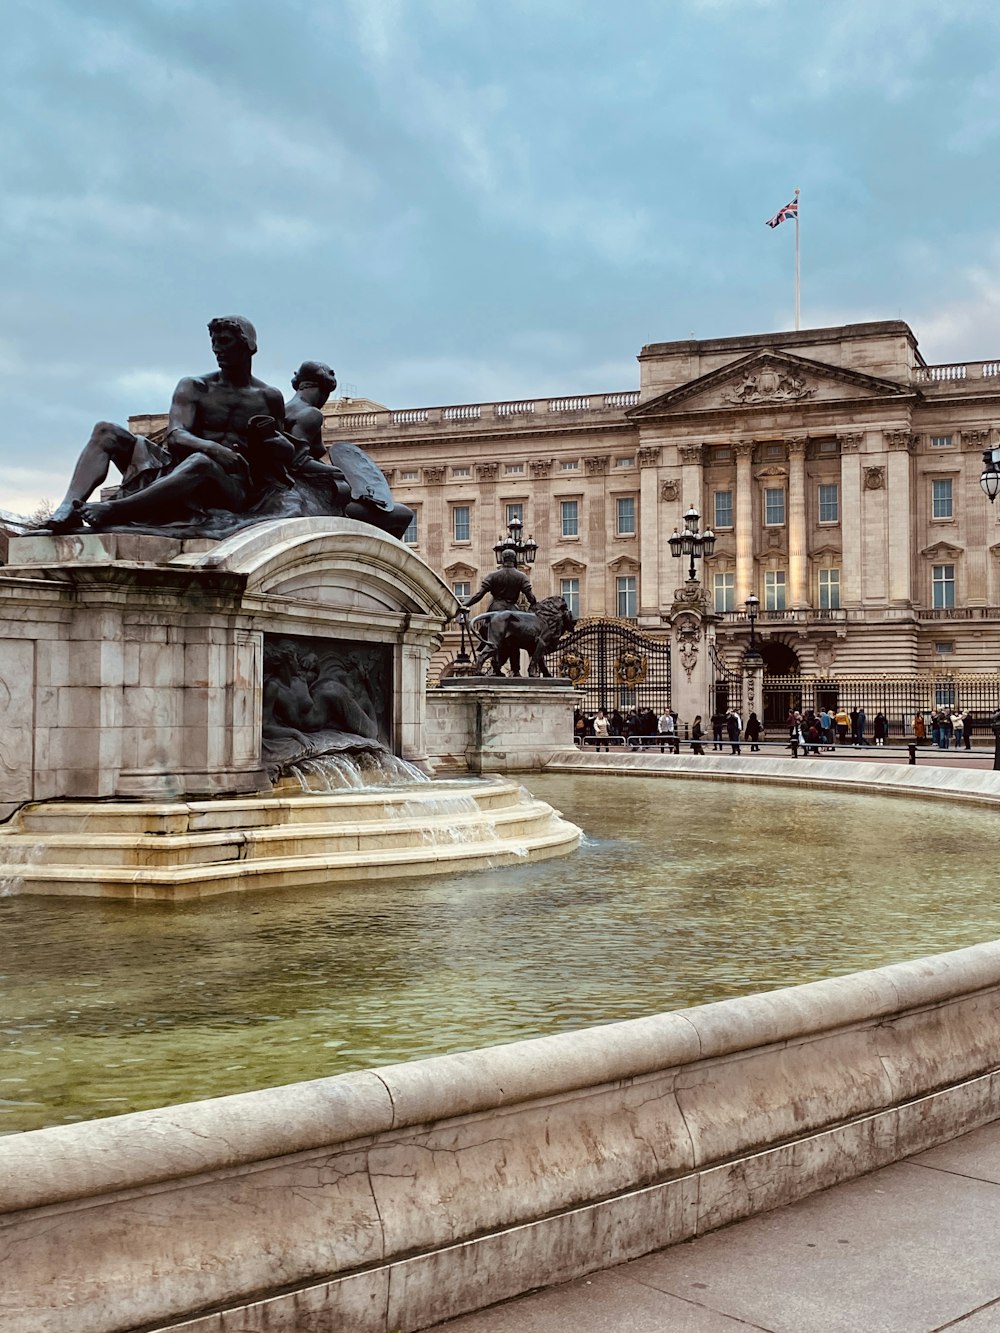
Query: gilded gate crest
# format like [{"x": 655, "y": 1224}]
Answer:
[
  {"x": 630, "y": 668},
  {"x": 575, "y": 666}
]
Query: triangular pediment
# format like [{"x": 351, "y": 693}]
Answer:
[
  {"x": 624, "y": 565},
  {"x": 770, "y": 380},
  {"x": 567, "y": 568},
  {"x": 460, "y": 571},
  {"x": 942, "y": 551}
]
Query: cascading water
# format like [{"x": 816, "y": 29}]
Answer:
[{"x": 344, "y": 771}]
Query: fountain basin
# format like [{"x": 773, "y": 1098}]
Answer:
[{"x": 194, "y": 849}]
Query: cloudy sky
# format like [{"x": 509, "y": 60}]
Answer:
[{"x": 462, "y": 200}]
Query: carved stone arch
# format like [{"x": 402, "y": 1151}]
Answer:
[{"x": 774, "y": 470}]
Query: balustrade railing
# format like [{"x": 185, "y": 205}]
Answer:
[
  {"x": 961, "y": 370},
  {"x": 462, "y": 413}
]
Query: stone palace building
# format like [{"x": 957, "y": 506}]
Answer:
[{"x": 838, "y": 470}]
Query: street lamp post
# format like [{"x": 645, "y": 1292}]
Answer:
[
  {"x": 691, "y": 542},
  {"x": 752, "y": 605},
  {"x": 990, "y": 479}
]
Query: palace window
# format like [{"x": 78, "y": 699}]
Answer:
[
  {"x": 774, "y": 451},
  {"x": 410, "y": 535},
  {"x": 460, "y": 523},
  {"x": 829, "y": 589},
  {"x": 515, "y": 513},
  {"x": 723, "y": 509},
  {"x": 774, "y": 590},
  {"x": 569, "y": 465},
  {"x": 625, "y": 516},
  {"x": 625, "y": 462},
  {"x": 626, "y": 596},
  {"x": 722, "y": 454},
  {"x": 514, "y": 469},
  {"x": 461, "y": 472},
  {"x": 941, "y": 441},
  {"x": 774, "y": 506},
  {"x": 409, "y": 474},
  {"x": 943, "y": 587},
  {"x": 723, "y": 592},
  {"x": 569, "y": 589},
  {"x": 941, "y": 498},
  {"x": 945, "y": 647},
  {"x": 829, "y": 503},
  {"x": 462, "y": 589},
  {"x": 569, "y": 517}
]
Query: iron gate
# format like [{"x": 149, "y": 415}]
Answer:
[{"x": 614, "y": 666}]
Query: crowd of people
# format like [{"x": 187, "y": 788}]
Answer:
[{"x": 807, "y": 731}]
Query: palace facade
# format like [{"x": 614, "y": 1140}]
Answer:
[{"x": 839, "y": 471}]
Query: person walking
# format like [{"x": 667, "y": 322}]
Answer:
[
  {"x": 697, "y": 732},
  {"x": 752, "y": 732}
]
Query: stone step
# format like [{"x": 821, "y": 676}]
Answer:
[
  {"x": 172, "y": 851},
  {"x": 85, "y": 848}
]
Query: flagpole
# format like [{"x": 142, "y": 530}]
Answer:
[{"x": 797, "y": 280}]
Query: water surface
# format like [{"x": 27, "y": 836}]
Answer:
[{"x": 684, "y": 892}]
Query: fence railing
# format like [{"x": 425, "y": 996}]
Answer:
[{"x": 901, "y": 700}]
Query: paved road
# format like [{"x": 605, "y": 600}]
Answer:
[{"x": 912, "y": 1248}]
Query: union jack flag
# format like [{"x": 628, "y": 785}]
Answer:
[{"x": 786, "y": 214}]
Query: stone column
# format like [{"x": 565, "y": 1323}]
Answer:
[
  {"x": 850, "y": 518},
  {"x": 899, "y": 499},
  {"x": 753, "y": 686},
  {"x": 797, "y": 562},
  {"x": 649, "y": 532},
  {"x": 744, "y": 520}
]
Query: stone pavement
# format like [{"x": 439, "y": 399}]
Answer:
[{"x": 908, "y": 1249}]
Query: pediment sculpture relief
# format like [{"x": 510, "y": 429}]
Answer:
[{"x": 773, "y": 384}]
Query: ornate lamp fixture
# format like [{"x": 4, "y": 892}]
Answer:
[
  {"x": 752, "y": 605},
  {"x": 524, "y": 551},
  {"x": 990, "y": 480},
  {"x": 691, "y": 542}
]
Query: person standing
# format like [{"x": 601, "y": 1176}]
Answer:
[
  {"x": 666, "y": 730},
  {"x": 718, "y": 730},
  {"x": 752, "y": 733},
  {"x": 880, "y": 728},
  {"x": 602, "y": 730},
  {"x": 842, "y": 722},
  {"x": 734, "y": 727},
  {"x": 967, "y": 728},
  {"x": 958, "y": 729},
  {"x": 944, "y": 730},
  {"x": 919, "y": 728}
]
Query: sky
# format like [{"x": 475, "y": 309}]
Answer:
[{"x": 460, "y": 201}]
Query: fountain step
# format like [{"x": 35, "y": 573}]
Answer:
[
  {"x": 175, "y": 853},
  {"x": 162, "y": 818},
  {"x": 85, "y": 848}
]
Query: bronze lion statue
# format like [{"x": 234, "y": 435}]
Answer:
[{"x": 505, "y": 634}]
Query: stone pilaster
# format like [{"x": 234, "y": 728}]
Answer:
[
  {"x": 797, "y": 563},
  {"x": 850, "y": 520},
  {"x": 650, "y": 541},
  {"x": 489, "y": 526},
  {"x": 599, "y": 591},
  {"x": 899, "y": 487},
  {"x": 744, "y": 520}
]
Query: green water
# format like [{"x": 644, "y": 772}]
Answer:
[{"x": 683, "y": 893}]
